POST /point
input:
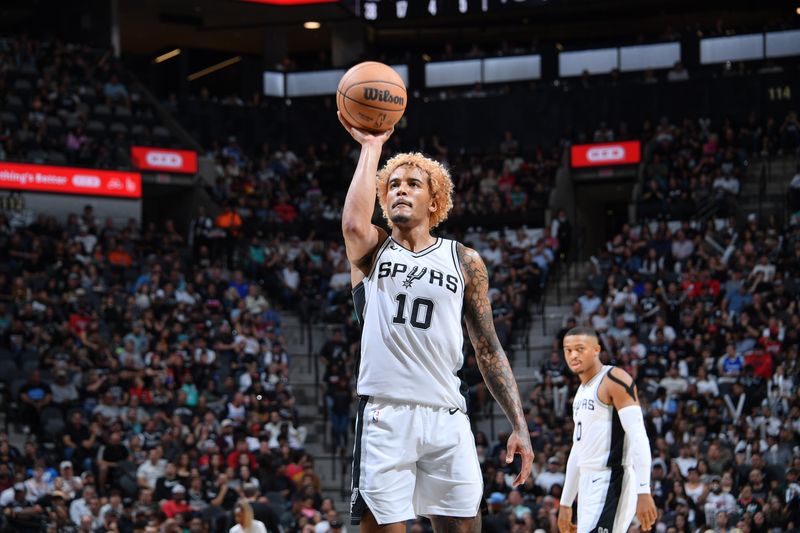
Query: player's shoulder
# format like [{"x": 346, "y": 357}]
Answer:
[
  {"x": 465, "y": 253},
  {"x": 619, "y": 376}
]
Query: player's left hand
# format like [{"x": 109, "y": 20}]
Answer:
[
  {"x": 520, "y": 443},
  {"x": 646, "y": 511}
]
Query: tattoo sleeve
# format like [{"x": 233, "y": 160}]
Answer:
[{"x": 491, "y": 357}]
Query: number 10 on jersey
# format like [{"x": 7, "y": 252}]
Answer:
[{"x": 421, "y": 312}]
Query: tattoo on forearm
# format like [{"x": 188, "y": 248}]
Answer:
[
  {"x": 492, "y": 360},
  {"x": 630, "y": 389}
]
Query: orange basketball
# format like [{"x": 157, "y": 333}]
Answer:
[{"x": 371, "y": 96}]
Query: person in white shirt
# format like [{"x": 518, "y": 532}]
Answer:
[
  {"x": 552, "y": 476},
  {"x": 149, "y": 471},
  {"x": 245, "y": 523},
  {"x": 661, "y": 324},
  {"x": 589, "y": 302},
  {"x": 80, "y": 507},
  {"x": 726, "y": 185},
  {"x": 673, "y": 383},
  {"x": 765, "y": 268},
  {"x": 492, "y": 254}
]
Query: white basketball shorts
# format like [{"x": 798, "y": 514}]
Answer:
[
  {"x": 606, "y": 500},
  {"x": 413, "y": 460}
]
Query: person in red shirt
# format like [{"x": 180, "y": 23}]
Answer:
[
  {"x": 241, "y": 449},
  {"x": 177, "y": 505}
]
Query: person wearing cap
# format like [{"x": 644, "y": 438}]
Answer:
[
  {"x": 609, "y": 465},
  {"x": 245, "y": 523},
  {"x": 552, "y": 476},
  {"x": 177, "y": 505},
  {"x": 70, "y": 483},
  {"x": 717, "y": 502},
  {"x": 497, "y": 519}
]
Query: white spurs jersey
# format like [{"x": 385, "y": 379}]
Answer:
[
  {"x": 410, "y": 310},
  {"x": 599, "y": 439}
]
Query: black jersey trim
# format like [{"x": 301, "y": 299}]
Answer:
[
  {"x": 360, "y": 301},
  {"x": 611, "y": 504},
  {"x": 357, "y": 503},
  {"x": 617, "y": 444},
  {"x": 384, "y": 244},
  {"x": 454, "y": 254},
  {"x": 424, "y": 251}
]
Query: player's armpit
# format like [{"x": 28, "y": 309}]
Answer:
[
  {"x": 364, "y": 264},
  {"x": 491, "y": 357},
  {"x": 621, "y": 388}
]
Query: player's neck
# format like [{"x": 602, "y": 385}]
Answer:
[
  {"x": 415, "y": 239},
  {"x": 587, "y": 376}
]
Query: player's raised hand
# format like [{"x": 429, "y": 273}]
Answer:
[
  {"x": 520, "y": 443},
  {"x": 565, "y": 524},
  {"x": 362, "y": 136},
  {"x": 646, "y": 511}
]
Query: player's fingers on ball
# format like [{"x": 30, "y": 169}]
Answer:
[{"x": 344, "y": 122}]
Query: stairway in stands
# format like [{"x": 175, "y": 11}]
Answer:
[
  {"x": 774, "y": 176},
  {"x": 529, "y": 351},
  {"x": 303, "y": 344}
]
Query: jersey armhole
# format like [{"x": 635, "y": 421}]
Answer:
[
  {"x": 597, "y": 390},
  {"x": 381, "y": 248},
  {"x": 454, "y": 255}
]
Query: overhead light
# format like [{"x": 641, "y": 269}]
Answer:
[
  {"x": 168, "y": 55},
  {"x": 312, "y": 25},
  {"x": 213, "y": 68},
  {"x": 797, "y": 11}
]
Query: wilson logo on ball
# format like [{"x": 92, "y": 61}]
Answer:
[{"x": 382, "y": 96}]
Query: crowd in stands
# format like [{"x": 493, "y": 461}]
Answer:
[
  {"x": 147, "y": 369},
  {"x": 154, "y": 390},
  {"x": 706, "y": 320},
  {"x": 693, "y": 165},
  {"x": 69, "y": 103},
  {"x": 277, "y": 190}
]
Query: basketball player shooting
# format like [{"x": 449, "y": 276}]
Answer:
[
  {"x": 609, "y": 464},
  {"x": 414, "y": 452}
]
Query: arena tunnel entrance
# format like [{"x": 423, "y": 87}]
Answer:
[{"x": 600, "y": 211}]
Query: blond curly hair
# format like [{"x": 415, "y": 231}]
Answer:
[{"x": 439, "y": 181}]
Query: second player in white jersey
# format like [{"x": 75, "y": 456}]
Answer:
[
  {"x": 608, "y": 468},
  {"x": 414, "y": 300},
  {"x": 599, "y": 440}
]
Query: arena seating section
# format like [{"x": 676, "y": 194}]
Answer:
[
  {"x": 139, "y": 359},
  {"x": 65, "y": 103}
]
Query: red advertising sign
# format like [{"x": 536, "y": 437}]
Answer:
[
  {"x": 67, "y": 180},
  {"x": 605, "y": 154},
  {"x": 164, "y": 159}
]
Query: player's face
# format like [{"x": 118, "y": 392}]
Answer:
[
  {"x": 408, "y": 197},
  {"x": 581, "y": 353}
]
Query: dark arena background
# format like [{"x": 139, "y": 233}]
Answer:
[{"x": 176, "y": 324}]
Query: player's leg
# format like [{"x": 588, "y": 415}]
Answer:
[
  {"x": 449, "y": 480},
  {"x": 370, "y": 525},
  {"x": 384, "y": 465},
  {"x": 451, "y": 524},
  {"x": 599, "y": 499}
]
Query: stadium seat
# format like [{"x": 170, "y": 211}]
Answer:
[
  {"x": 118, "y": 127},
  {"x": 102, "y": 109},
  {"x": 15, "y": 103},
  {"x": 95, "y": 128}
]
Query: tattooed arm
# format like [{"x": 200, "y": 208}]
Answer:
[{"x": 491, "y": 357}]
